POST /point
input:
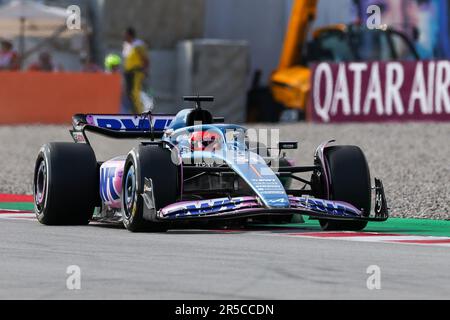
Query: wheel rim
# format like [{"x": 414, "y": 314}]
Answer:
[
  {"x": 130, "y": 191},
  {"x": 40, "y": 186}
]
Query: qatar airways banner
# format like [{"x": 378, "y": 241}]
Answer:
[{"x": 380, "y": 91}]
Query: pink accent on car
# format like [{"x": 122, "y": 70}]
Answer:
[{"x": 117, "y": 166}]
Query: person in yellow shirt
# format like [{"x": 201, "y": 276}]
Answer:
[{"x": 135, "y": 65}]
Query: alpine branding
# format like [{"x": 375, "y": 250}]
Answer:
[{"x": 281, "y": 200}]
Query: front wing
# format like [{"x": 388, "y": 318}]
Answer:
[{"x": 228, "y": 208}]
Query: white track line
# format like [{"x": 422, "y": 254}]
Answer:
[
  {"x": 17, "y": 216},
  {"x": 400, "y": 238}
]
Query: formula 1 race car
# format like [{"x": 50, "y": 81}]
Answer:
[{"x": 192, "y": 167}]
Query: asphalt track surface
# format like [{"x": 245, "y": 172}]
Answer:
[{"x": 205, "y": 264}]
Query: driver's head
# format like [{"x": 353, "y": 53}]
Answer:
[
  {"x": 205, "y": 140},
  {"x": 129, "y": 35}
]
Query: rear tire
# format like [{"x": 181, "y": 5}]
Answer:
[
  {"x": 65, "y": 184},
  {"x": 155, "y": 163},
  {"x": 350, "y": 182}
]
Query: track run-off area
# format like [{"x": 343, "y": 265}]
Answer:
[
  {"x": 395, "y": 230},
  {"x": 290, "y": 261}
]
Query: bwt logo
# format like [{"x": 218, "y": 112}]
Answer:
[
  {"x": 328, "y": 207},
  {"x": 206, "y": 207},
  {"x": 133, "y": 123},
  {"x": 73, "y": 21}
]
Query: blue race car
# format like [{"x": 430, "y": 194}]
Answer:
[{"x": 191, "y": 167}]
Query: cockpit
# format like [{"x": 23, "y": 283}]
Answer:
[{"x": 210, "y": 138}]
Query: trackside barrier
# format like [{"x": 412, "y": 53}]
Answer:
[
  {"x": 53, "y": 98},
  {"x": 380, "y": 91}
]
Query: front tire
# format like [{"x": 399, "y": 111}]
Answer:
[
  {"x": 350, "y": 182},
  {"x": 155, "y": 163},
  {"x": 65, "y": 184}
]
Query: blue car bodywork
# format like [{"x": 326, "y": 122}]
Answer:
[{"x": 258, "y": 185}]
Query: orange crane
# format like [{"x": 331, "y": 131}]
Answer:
[{"x": 290, "y": 82}]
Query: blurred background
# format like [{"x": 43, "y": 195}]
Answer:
[{"x": 255, "y": 56}]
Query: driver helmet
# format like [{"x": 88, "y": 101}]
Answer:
[{"x": 204, "y": 140}]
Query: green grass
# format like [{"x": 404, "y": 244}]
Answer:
[
  {"x": 25, "y": 206},
  {"x": 425, "y": 227}
]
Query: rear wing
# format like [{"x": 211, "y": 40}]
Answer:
[
  {"x": 123, "y": 126},
  {"x": 126, "y": 126},
  {"x": 120, "y": 126}
]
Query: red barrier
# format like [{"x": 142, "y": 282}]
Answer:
[
  {"x": 53, "y": 98},
  {"x": 380, "y": 91}
]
